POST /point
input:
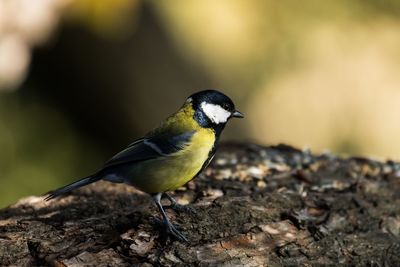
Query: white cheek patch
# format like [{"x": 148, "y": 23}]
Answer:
[{"x": 215, "y": 113}]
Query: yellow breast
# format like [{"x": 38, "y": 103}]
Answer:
[
  {"x": 173, "y": 171},
  {"x": 196, "y": 154}
]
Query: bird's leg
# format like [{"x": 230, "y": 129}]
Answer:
[
  {"x": 178, "y": 207},
  {"x": 172, "y": 200},
  {"x": 170, "y": 227}
]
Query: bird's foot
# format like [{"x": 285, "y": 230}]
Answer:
[{"x": 171, "y": 229}]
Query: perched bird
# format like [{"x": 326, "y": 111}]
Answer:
[{"x": 170, "y": 155}]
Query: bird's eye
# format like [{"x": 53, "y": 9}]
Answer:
[{"x": 225, "y": 106}]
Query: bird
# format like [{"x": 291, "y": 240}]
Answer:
[{"x": 170, "y": 155}]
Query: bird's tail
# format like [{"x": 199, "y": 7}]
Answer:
[{"x": 72, "y": 186}]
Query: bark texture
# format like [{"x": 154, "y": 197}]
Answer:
[{"x": 254, "y": 206}]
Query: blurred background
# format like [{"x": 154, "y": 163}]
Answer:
[{"x": 80, "y": 79}]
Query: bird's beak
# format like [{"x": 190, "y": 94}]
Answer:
[{"x": 237, "y": 114}]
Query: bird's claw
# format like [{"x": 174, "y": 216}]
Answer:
[{"x": 172, "y": 230}]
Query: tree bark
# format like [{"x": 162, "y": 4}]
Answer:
[{"x": 254, "y": 206}]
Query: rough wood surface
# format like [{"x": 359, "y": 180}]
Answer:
[{"x": 254, "y": 206}]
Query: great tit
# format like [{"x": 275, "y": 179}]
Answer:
[{"x": 170, "y": 155}]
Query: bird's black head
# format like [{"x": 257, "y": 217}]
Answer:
[{"x": 213, "y": 109}]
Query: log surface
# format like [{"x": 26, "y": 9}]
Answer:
[{"x": 254, "y": 206}]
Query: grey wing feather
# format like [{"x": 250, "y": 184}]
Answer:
[
  {"x": 171, "y": 144},
  {"x": 150, "y": 148},
  {"x": 137, "y": 151}
]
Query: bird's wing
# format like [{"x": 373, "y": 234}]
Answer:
[{"x": 150, "y": 148}]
